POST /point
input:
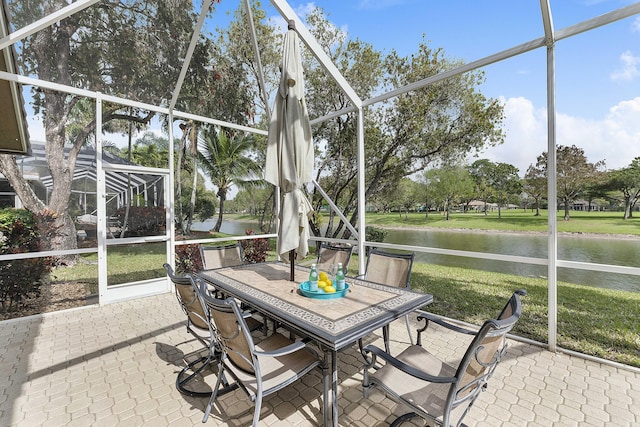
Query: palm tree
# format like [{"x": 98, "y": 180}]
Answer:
[{"x": 226, "y": 160}]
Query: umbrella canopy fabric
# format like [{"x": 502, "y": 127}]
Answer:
[{"x": 289, "y": 162}]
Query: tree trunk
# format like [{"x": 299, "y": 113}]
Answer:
[
  {"x": 192, "y": 200},
  {"x": 627, "y": 208},
  {"x": 65, "y": 236},
  {"x": 222, "y": 194},
  {"x": 566, "y": 210},
  {"x": 178, "y": 184}
]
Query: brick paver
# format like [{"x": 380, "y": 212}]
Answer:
[{"x": 116, "y": 365}]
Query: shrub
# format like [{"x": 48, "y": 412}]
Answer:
[
  {"x": 23, "y": 232},
  {"x": 254, "y": 250},
  {"x": 374, "y": 234},
  {"x": 188, "y": 259}
]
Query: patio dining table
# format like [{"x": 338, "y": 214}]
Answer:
[{"x": 333, "y": 324}]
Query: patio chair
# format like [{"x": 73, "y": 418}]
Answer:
[
  {"x": 258, "y": 369},
  {"x": 332, "y": 254},
  {"x": 221, "y": 256},
  {"x": 391, "y": 269},
  {"x": 226, "y": 256},
  {"x": 440, "y": 392},
  {"x": 196, "y": 325}
]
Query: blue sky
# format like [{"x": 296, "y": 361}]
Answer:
[{"x": 598, "y": 73}]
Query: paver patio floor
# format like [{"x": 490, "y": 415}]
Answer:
[{"x": 116, "y": 365}]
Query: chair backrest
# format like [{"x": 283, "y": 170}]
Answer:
[
  {"x": 221, "y": 256},
  {"x": 481, "y": 358},
  {"x": 227, "y": 324},
  {"x": 188, "y": 298},
  {"x": 388, "y": 268},
  {"x": 332, "y": 254}
]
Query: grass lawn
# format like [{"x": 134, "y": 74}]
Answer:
[{"x": 592, "y": 321}]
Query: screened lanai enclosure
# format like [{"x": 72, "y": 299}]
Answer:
[{"x": 135, "y": 101}]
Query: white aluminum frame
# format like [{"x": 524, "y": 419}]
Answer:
[{"x": 551, "y": 36}]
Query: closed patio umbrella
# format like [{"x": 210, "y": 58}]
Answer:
[{"x": 289, "y": 162}]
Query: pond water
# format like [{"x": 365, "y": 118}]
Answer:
[{"x": 600, "y": 250}]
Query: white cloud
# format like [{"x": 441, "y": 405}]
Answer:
[
  {"x": 635, "y": 26},
  {"x": 305, "y": 9},
  {"x": 301, "y": 11},
  {"x": 629, "y": 70},
  {"x": 525, "y": 129},
  {"x": 615, "y": 138}
]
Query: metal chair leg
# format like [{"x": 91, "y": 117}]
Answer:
[
  {"x": 403, "y": 418},
  {"x": 181, "y": 381}
]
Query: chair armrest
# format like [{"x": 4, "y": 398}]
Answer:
[
  {"x": 397, "y": 363},
  {"x": 428, "y": 317},
  {"x": 423, "y": 315},
  {"x": 291, "y": 348}
]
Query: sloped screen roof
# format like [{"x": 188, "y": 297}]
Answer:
[{"x": 86, "y": 169}]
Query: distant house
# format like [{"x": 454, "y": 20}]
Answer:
[
  {"x": 479, "y": 206},
  {"x": 584, "y": 206}
]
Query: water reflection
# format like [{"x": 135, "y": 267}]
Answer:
[
  {"x": 600, "y": 250},
  {"x": 584, "y": 249}
]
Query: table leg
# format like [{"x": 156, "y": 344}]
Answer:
[
  {"x": 385, "y": 337},
  {"x": 325, "y": 383},
  {"x": 334, "y": 387}
]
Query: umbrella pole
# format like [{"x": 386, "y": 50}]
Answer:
[{"x": 292, "y": 259}]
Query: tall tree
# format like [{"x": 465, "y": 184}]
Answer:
[
  {"x": 237, "y": 47},
  {"x": 336, "y": 165},
  {"x": 405, "y": 135},
  {"x": 506, "y": 184},
  {"x": 627, "y": 181},
  {"x": 406, "y": 196},
  {"x": 535, "y": 185},
  {"x": 116, "y": 47},
  {"x": 481, "y": 171},
  {"x": 227, "y": 161},
  {"x": 573, "y": 174},
  {"x": 449, "y": 185},
  {"x": 148, "y": 138},
  {"x": 187, "y": 156}
]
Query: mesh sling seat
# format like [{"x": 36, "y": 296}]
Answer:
[
  {"x": 437, "y": 391},
  {"x": 258, "y": 369},
  {"x": 227, "y": 256},
  {"x": 391, "y": 269},
  {"x": 221, "y": 256},
  {"x": 196, "y": 325},
  {"x": 332, "y": 255}
]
